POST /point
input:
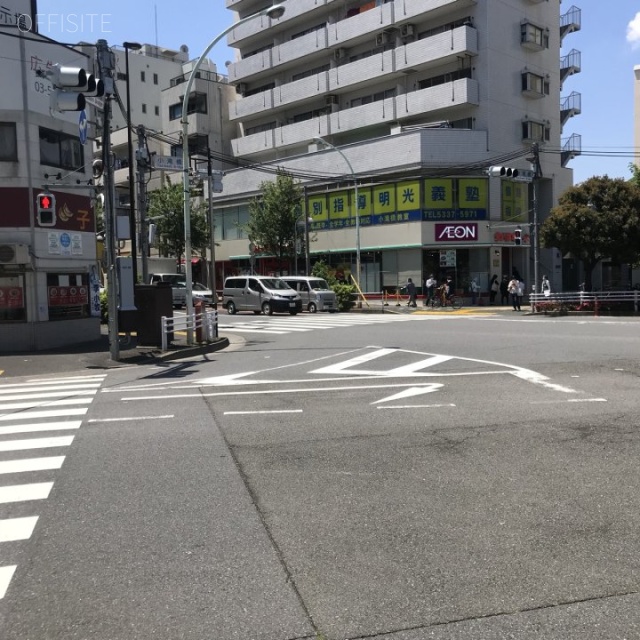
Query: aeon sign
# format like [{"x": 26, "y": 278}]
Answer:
[{"x": 459, "y": 232}]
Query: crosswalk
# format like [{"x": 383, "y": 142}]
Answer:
[
  {"x": 280, "y": 325},
  {"x": 38, "y": 415}
]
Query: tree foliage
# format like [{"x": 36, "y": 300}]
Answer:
[
  {"x": 598, "y": 218},
  {"x": 274, "y": 215},
  {"x": 167, "y": 205}
]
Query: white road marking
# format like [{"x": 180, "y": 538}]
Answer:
[
  {"x": 25, "y": 388},
  {"x": 6, "y": 573},
  {"x": 31, "y": 464},
  {"x": 13, "y": 529},
  {"x": 412, "y": 391},
  {"x": 568, "y": 400},
  {"x": 244, "y": 413},
  {"x": 35, "y": 443},
  {"x": 55, "y": 403},
  {"x": 25, "y": 492},
  {"x": 53, "y": 413},
  {"x": 415, "y": 406},
  {"x": 29, "y": 395},
  {"x": 132, "y": 418},
  {"x": 40, "y": 426}
]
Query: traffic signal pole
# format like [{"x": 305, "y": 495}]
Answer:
[{"x": 106, "y": 65}]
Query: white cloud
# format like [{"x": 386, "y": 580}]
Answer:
[{"x": 633, "y": 31}]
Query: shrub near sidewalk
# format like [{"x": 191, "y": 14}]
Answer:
[{"x": 344, "y": 292}]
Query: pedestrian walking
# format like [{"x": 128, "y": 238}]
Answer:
[
  {"x": 475, "y": 289},
  {"x": 512, "y": 288},
  {"x": 411, "y": 290},
  {"x": 430, "y": 290},
  {"x": 546, "y": 286},
  {"x": 494, "y": 287},
  {"x": 520, "y": 292},
  {"x": 504, "y": 291}
]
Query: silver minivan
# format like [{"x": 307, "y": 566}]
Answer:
[
  {"x": 314, "y": 293},
  {"x": 259, "y": 294},
  {"x": 178, "y": 286}
]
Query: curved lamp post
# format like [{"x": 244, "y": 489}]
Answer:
[
  {"x": 355, "y": 185},
  {"x": 274, "y": 12}
]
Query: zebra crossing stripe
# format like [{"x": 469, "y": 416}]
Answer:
[
  {"x": 31, "y": 395},
  {"x": 6, "y": 573},
  {"x": 31, "y": 464},
  {"x": 25, "y": 388},
  {"x": 54, "y": 403},
  {"x": 36, "y": 443},
  {"x": 13, "y": 529},
  {"x": 52, "y": 413},
  {"x": 25, "y": 492},
  {"x": 40, "y": 426}
]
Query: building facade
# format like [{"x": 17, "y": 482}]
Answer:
[
  {"x": 420, "y": 97},
  {"x": 47, "y": 267}
]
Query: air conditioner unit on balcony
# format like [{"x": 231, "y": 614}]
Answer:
[
  {"x": 382, "y": 38},
  {"x": 340, "y": 54},
  {"x": 14, "y": 254},
  {"x": 331, "y": 99},
  {"x": 241, "y": 88},
  {"x": 407, "y": 30}
]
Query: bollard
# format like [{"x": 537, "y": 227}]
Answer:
[{"x": 199, "y": 308}]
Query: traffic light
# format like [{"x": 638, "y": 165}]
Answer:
[
  {"x": 71, "y": 87},
  {"x": 503, "y": 172},
  {"x": 46, "y": 209},
  {"x": 517, "y": 236}
]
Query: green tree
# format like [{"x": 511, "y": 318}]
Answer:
[
  {"x": 635, "y": 171},
  {"x": 167, "y": 206},
  {"x": 344, "y": 292},
  {"x": 274, "y": 215},
  {"x": 598, "y": 218}
]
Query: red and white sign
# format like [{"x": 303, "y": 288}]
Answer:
[
  {"x": 11, "y": 298},
  {"x": 509, "y": 236},
  {"x": 68, "y": 296},
  {"x": 456, "y": 232}
]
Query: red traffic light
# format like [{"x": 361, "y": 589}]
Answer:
[{"x": 45, "y": 202}]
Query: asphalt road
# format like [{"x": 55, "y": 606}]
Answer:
[{"x": 442, "y": 476}]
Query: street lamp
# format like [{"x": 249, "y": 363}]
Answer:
[
  {"x": 355, "y": 185},
  {"x": 131, "y": 46},
  {"x": 274, "y": 12}
]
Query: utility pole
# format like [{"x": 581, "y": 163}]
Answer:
[
  {"x": 106, "y": 64},
  {"x": 212, "y": 273},
  {"x": 537, "y": 174},
  {"x": 142, "y": 166}
]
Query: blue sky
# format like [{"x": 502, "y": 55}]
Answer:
[{"x": 609, "y": 42}]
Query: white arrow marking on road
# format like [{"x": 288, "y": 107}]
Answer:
[{"x": 411, "y": 391}]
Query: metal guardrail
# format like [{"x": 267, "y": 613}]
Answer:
[
  {"x": 205, "y": 326},
  {"x": 584, "y": 301}
]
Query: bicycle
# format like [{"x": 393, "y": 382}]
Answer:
[{"x": 453, "y": 301}]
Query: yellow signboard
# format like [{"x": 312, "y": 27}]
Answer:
[{"x": 438, "y": 193}]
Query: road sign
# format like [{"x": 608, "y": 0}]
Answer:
[
  {"x": 166, "y": 163},
  {"x": 82, "y": 127}
]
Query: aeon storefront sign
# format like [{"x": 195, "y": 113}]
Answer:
[{"x": 458, "y": 232}]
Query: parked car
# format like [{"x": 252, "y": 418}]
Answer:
[
  {"x": 200, "y": 292},
  {"x": 314, "y": 293},
  {"x": 177, "y": 281},
  {"x": 259, "y": 294}
]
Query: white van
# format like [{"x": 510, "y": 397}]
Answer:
[
  {"x": 178, "y": 286},
  {"x": 314, "y": 293},
  {"x": 259, "y": 294}
]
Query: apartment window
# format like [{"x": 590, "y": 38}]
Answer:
[
  {"x": 535, "y": 131},
  {"x": 156, "y": 110},
  {"x": 310, "y": 72},
  {"x": 534, "y": 37},
  {"x": 155, "y": 78},
  {"x": 374, "y": 97},
  {"x": 142, "y": 76},
  {"x": 61, "y": 150},
  {"x": 261, "y": 127},
  {"x": 144, "y": 108},
  {"x": 309, "y": 115},
  {"x": 8, "y": 142},
  {"x": 444, "y": 78},
  {"x": 309, "y": 30},
  {"x": 535, "y": 85},
  {"x": 197, "y": 104},
  {"x": 261, "y": 89}
]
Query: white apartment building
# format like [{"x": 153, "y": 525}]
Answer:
[{"x": 421, "y": 97}]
